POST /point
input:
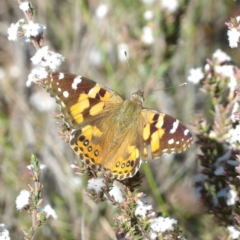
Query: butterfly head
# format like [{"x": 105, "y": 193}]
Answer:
[{"x": 138, "y": 97}]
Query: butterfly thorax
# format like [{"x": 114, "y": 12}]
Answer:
[{"x": 129, "y": 111}]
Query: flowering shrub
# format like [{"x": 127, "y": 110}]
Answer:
[{"x": 218, "y": 136}]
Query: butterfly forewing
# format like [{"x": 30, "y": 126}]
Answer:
[
  {"x": 164, "y": 134},
  {"x": 81, "y": 99}
]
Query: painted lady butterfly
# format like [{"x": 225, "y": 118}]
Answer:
[{"x": 110, "y": 133}]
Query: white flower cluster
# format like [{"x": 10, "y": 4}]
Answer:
[
  {"x": 23, "y": 199},
  {"x": 4, "y": 233},
  {"x": 234, "y": 34},
  {"x": 147, "y": 35},
  {"x": 142, "y": 209},
  {"x": 50, "y": 212},
  {"x": 116, "y": 192},
  {"x": 195, "y": 75},
  {"x": 234, "y": 135},
  {"x": 24, "y": 6},
  {"x": 157, "y": 225},
  {"x": 234, "y": 233},
  {"x": 228, "y": 194},
  {"x": 96, "y": 184},
  {"x": 44, "y": 59},
  {"x": 23, "y": 29},
  {"x": 160, "y": 225},
  {"x": 170, "y": 5}
]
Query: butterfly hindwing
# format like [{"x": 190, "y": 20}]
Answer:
[
  {"x": 103, "y": 147},
  {"x": 163, "y": 133}
]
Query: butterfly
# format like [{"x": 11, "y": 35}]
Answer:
[{"x": 110, "y": 133}]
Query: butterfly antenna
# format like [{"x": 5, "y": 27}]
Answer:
[
  {"x": 125, "y": 53},
  {"x": 179, "y": 85}
]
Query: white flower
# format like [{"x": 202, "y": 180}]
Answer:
[
  {"x": 200, "y": 178},
  {"x": 234, "y": 110},
  {"x": 195, "y": 75},
  {"x": 147, "y": 2},
  {"x": 227, "y": 71},
  {"x": 32, "y": 29},
  {"x": 42, "y": 102},
  {"x": 230, "y": 195},
  {"x": 153, "y": 235},
  {"x": 53, "y": 60},
  {"x": 233, "y": 163},
  {"x": 47, "y": 59},
  {"x": 170, "y": 5},
  {"x": 142, "y": 209},
  {"x": 101, "y": 11},
  {"x": 221, "y": 56},
  {"x": 219, "y": 171},
  {"x": 206, "y": 67},
  {"x": 234, "y": 233},
  {"x": 4, "y": 233},
  {"x": 40, "y": 55},
  {"x": 234, "y": 134},
  {"x": 233, "y": 37},
  {"x": 50, "y": 211},
  {"x": 162, "y": 224},
  {"x": 116, "y": 192},
  {"x": 147, "y": 35},
  {"x": 223, "y": 158},
  {"x": 121, "y": 49},
  {"x": 23, "y": 199},
  {"x": 36, "y": 74},
  {"x": 42, "y": 166},
  {"x": 96, "y": 184},
  {"x": 13, "y": 30},
  {"x": 24, "y": 6},
  {"x": 95, "y": 57},
  {"x": 148, "y": 15}
]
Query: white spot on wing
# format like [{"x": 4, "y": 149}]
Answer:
[
  {"x": 59, "y": 89},
  {"x": 76, "y": 81},
  {"x": 177, "y": 142},
  {"x": 186, "y": 131},
  {"x": 65, "y": 94},
  {"x": 175, "y": 126},
  {"x": 171, "y": 141},
  {"x": 61, "y": 76}
]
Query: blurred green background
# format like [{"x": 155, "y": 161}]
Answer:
[{"x": 162, "y": 45}]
